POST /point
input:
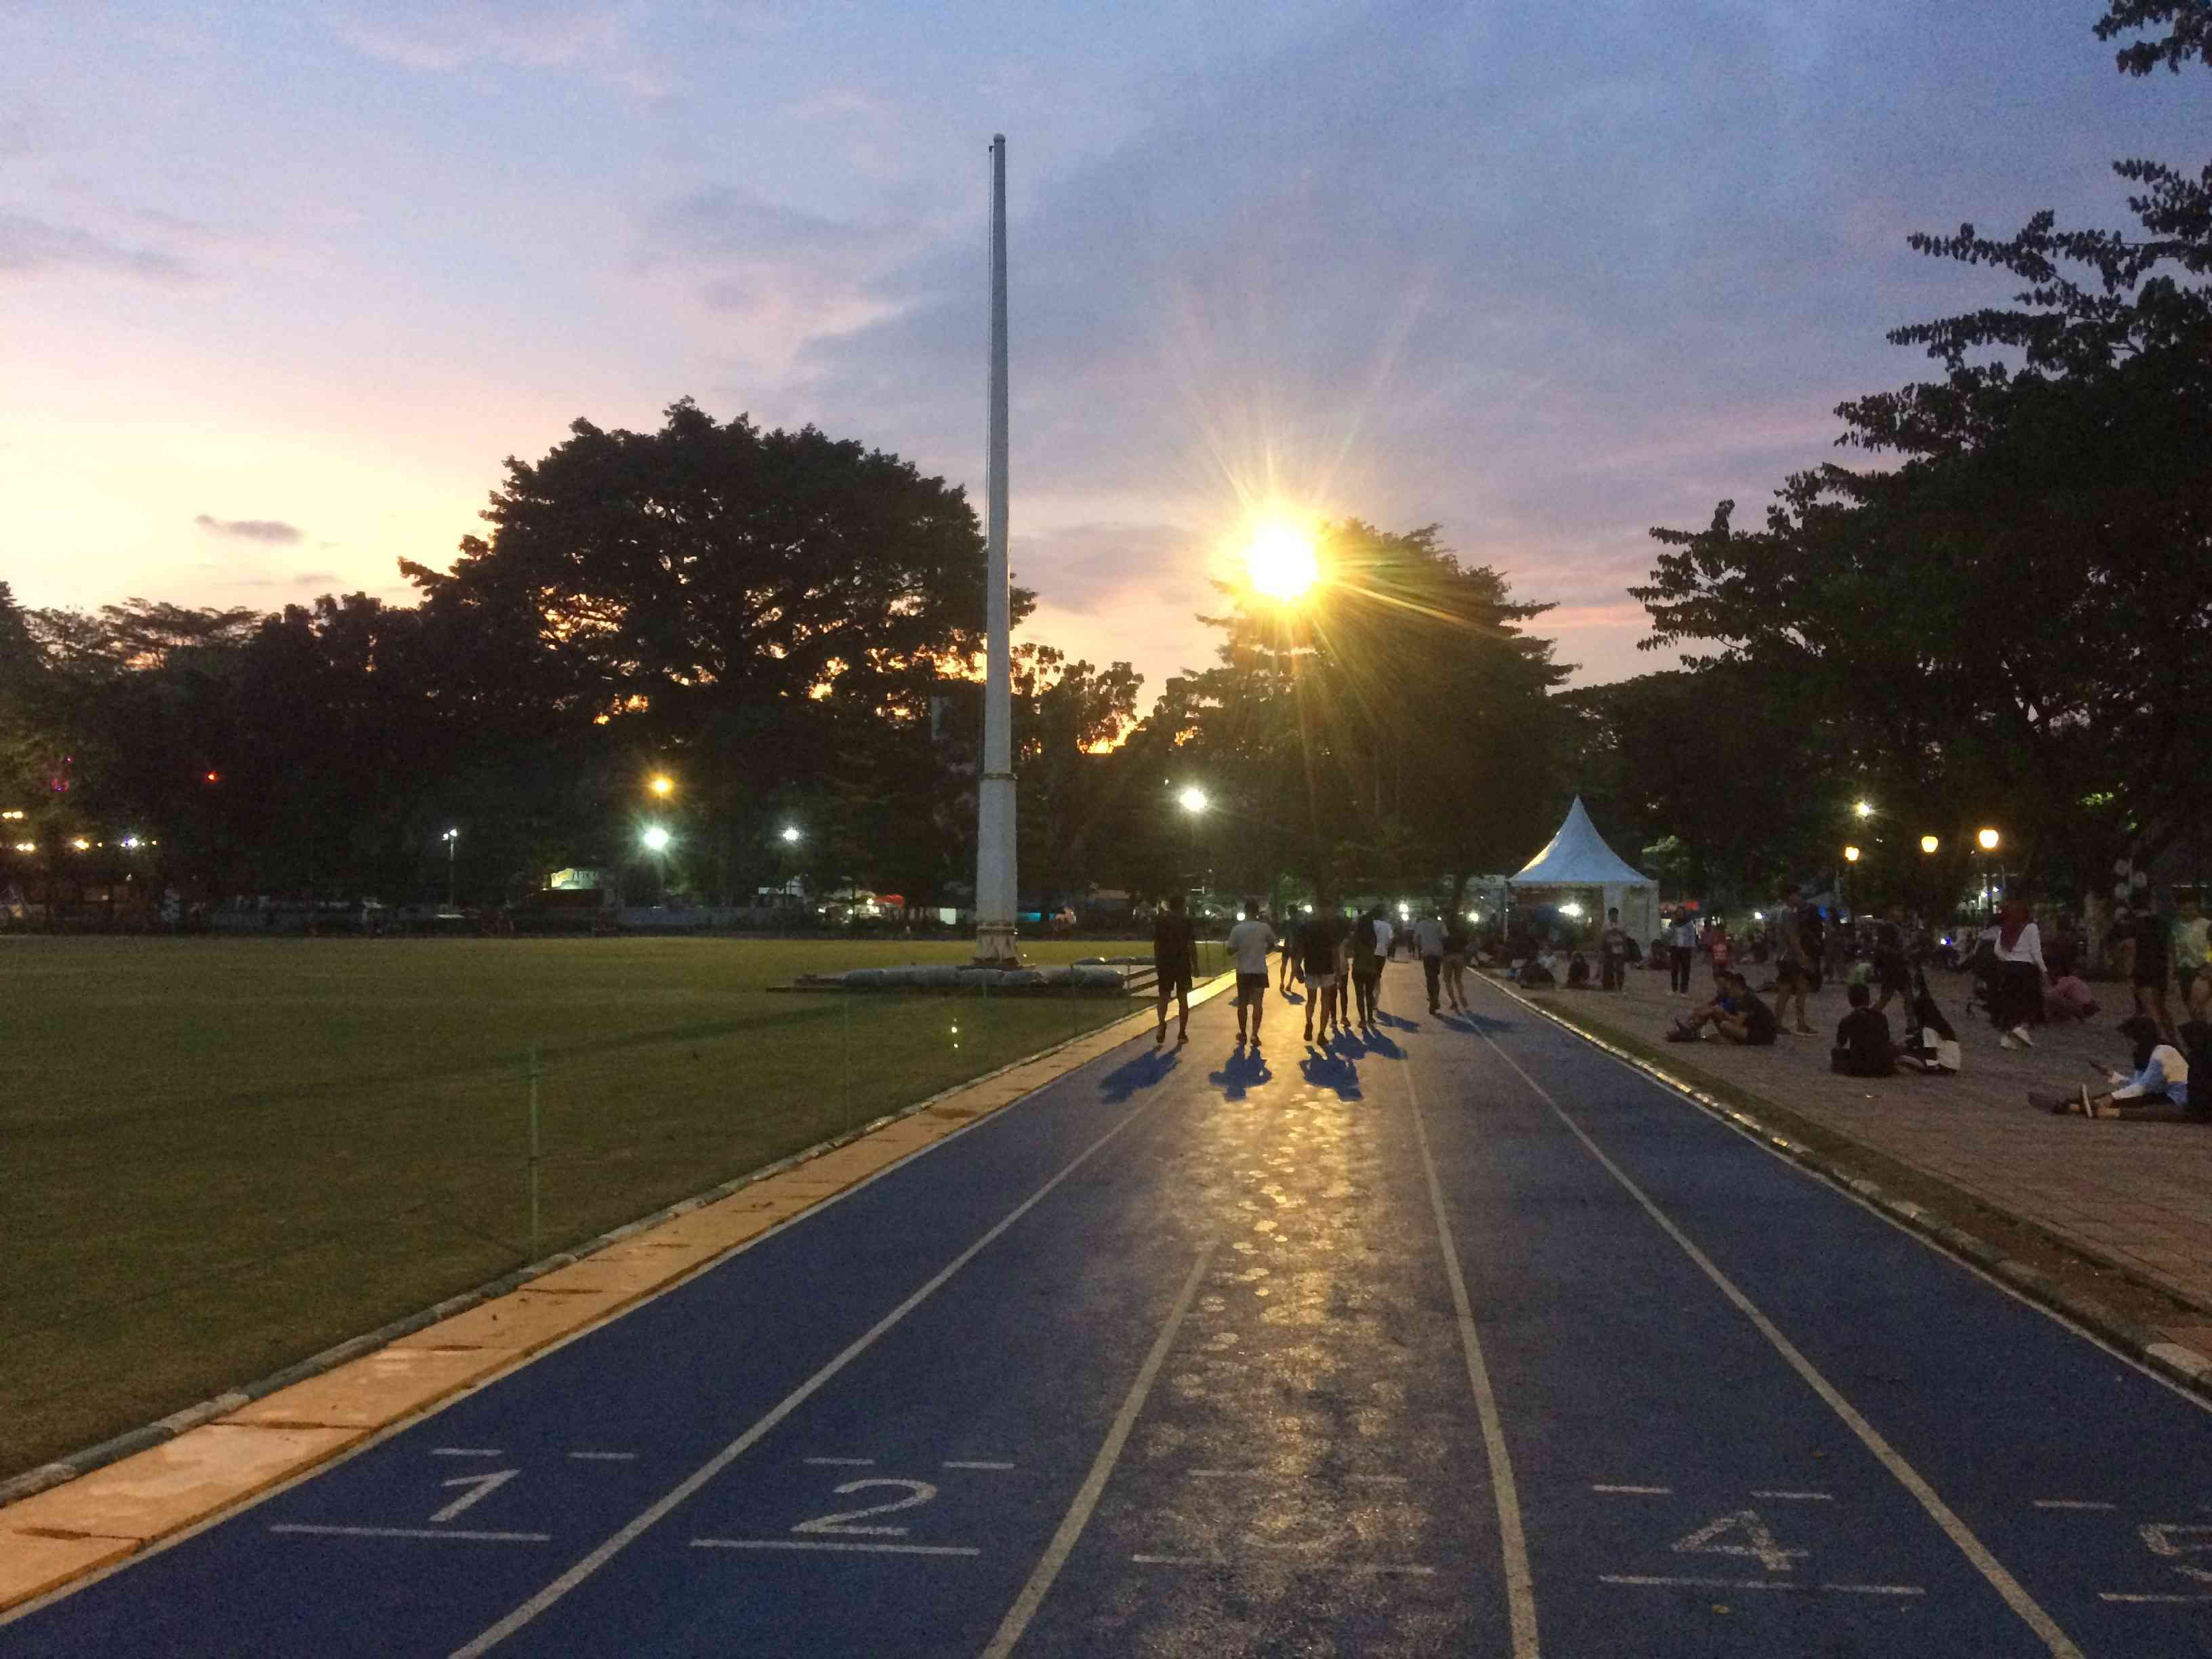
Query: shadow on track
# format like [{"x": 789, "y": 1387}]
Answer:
[
  {"x": 1145, "y": 1071},
  {"x": 1474, "y": 1023},
  {"x": 1244, "y": 1069},
  {"x": 1325, "y": 1068}
]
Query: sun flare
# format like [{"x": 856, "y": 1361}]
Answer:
[{"x": 1282, "y": 561}]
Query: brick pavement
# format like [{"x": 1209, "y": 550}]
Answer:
[{"x": 2135, "y": 1193}]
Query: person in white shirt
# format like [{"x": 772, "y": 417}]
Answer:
[
  {"x": 2161, "y": 1077},
  {"x": 1681, "y": 946},
  {"x": 1249, "y": 942},
  {"x": 2018, "y": 995},
  {"x": 1429, "y": 936}
]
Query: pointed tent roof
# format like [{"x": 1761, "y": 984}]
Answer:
[{"x": 1578, "y": 857}]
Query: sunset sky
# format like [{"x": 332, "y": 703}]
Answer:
[{"x": 281, "y": 285}]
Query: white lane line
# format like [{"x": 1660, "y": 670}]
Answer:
[
  {"x": 791, "y": 1402},
  {"x": 466, "y": 1451},
  {"x": 1520, "y": 1580},
  {"x": 843, "y": 1463},
  {"x": 1797, "y": 1496},
  {"x": 416, "y": 1532},
  {"x": 1086, "y": 1499},
  {"x": 2122, "y": 1595},
  {"x": 973, "y": 1463},
  {"x": 1379, "y": 1479},
  {"x": 1227, "y": 1474},
  {"x": 2072, "y": 1503},
  {"x": 825, "y": 1544},
  {"x": 1646, "y": 1579},
  {"x": 604, "y": 1457},
  {"x": 1356, "y": 1568},
  {"x": 2016, "y": 1595},
  {"x": 1641, "y": 1491}
]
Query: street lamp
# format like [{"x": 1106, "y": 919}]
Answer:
[
  {"x": 1193, "y": 798},
  {"x": 1987, "y": 839},
  {"x": 1192, "y": 801},
  {"x": 655, "y": 838},
  {"x": 790, "y": 835},
  {"x": 1851, "y": 855},
  {"x": 1864, "y": 808},
  {"x": 662, "y": 785},
  {"x": 1929, "y": 844},
  {"x": 452, "y": 840}
]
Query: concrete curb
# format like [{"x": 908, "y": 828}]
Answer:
[
  {"x": 2172, "y": 1361},
  {"x": 47, "y": 1476}
]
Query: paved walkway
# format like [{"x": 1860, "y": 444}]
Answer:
[{"x": 2136, "y": 1193}]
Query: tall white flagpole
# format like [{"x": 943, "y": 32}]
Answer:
[{"x": 995, "y": 798}]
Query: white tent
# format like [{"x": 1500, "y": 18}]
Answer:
[{"x": 1578, "y": 857}]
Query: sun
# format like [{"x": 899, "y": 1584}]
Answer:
[{"x": 1282, "y": 561}]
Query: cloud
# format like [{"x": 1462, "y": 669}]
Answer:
[
  {"x": 32, "y": 245},
  {"x": 273, "y": 530},
  {"x": 445, "y": 36}
]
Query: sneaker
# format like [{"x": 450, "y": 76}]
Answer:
[
  {"x": 1159, "y": 1036},
  {"x": 1181, "y": 1037},
  {"x": 2006, "y": 1041},
  {"x": 1807, "y": 1031},
  {"x": 2019, "y": 1032}
]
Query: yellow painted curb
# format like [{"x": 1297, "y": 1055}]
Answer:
[{"x": 57, "y": 1536}]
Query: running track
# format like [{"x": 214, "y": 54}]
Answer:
[{"x": 1465, "y": 1341}]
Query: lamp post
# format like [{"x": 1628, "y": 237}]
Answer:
[
  {"x": 452, "y": 840},
  {"x": 790, "y": 835},
  {"x": 1192, "y": 798},
  {"x": 1851, "y": 859},
  {"x": 1988, "y": 840},
  {"x": 655, "y": 839}
]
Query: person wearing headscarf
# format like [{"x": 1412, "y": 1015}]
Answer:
[{"x": 2020, "y": 973}]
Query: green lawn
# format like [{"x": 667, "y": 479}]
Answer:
[{"x": 224, "y": 1155}]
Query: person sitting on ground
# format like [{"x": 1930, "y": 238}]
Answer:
[
  {"x": 1535, "y": 974},
  {"x": 1862, "y": 1045},
  {"x": 1736, "y": 1014},
  {"x": 2069, "y": 998},
  {"x": 1578, "y": 971},
  {"x": 2160, "y": 1078}
]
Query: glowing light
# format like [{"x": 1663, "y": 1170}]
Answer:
[
  {"x": 1864, "y": 808},
  {"x": 1570, "y": 909},
  {"x": 662, "y": 785},
  {"x": 1928, "y": 843},
  {"x": 791, "y": 833},
  {"x": 1309, "y": 910},
  {"x": 1851, "y": 855},
  {"x": 211, "y": 777},
  {"x": 450, "y": 834},
  {"x": 81, "y": 844},
  {"x": 1758, "y": 915},
  {"x": 27, "y": 846},
  {"x": 655, "y": 838},
  {"x": 1987, "y": 839},
  {"x": 132, "y": 842},
  {"x": 1281, "y": 561},
  {"x": 12, "y": 813},
  {"x": 1193, "y": 798}
]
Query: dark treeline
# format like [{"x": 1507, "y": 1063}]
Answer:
[{"x": 2003, "y": 621}]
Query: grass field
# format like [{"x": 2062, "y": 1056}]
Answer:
[{"x": 224, "y": 1155}]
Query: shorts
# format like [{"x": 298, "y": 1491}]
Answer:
[
  {"x": 1320, "y": 981},
  {"x": 1789, "y": 974},
  {"x": 1251, "y": 987},
  {"x": 2152, "y": 975},
  {"x": 1174, "y": 982}
]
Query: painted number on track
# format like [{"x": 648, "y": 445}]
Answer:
[
  {"x": 1757, "y": 1538},
  {"x": 480, "y": 1487},
  {"x": 918, "y": 1493}
]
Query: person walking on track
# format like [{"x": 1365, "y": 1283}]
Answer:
[
  {"x": 1288, "y": 934},
  {"x": 1367, "y": 947},
  {"x": 1429, "y": 941},
  {"x": 1249, "y": 942},
  {"x": 1455, "y": 963},
  {"x": 1175, "y": 962},
  {"x": 1317, "y": 952}
]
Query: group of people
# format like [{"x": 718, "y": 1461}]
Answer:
[{"x": 1339, "y": 958}]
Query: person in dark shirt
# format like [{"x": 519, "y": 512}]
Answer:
[
  {"x": 1862, "y": 1045},
  {"x": 1366, "y": 963},
  {"x": 1317, "y": 952},
  {"x": 1734, "y": 1014},
  {"x": 1175, "y": 961}
]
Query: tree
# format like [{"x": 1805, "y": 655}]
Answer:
[{"x": 2009, "y": 614}]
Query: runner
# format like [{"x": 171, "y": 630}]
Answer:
[
  {"x": 1175, "y": 959},
  {"x": 1249, "y": 942}
]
